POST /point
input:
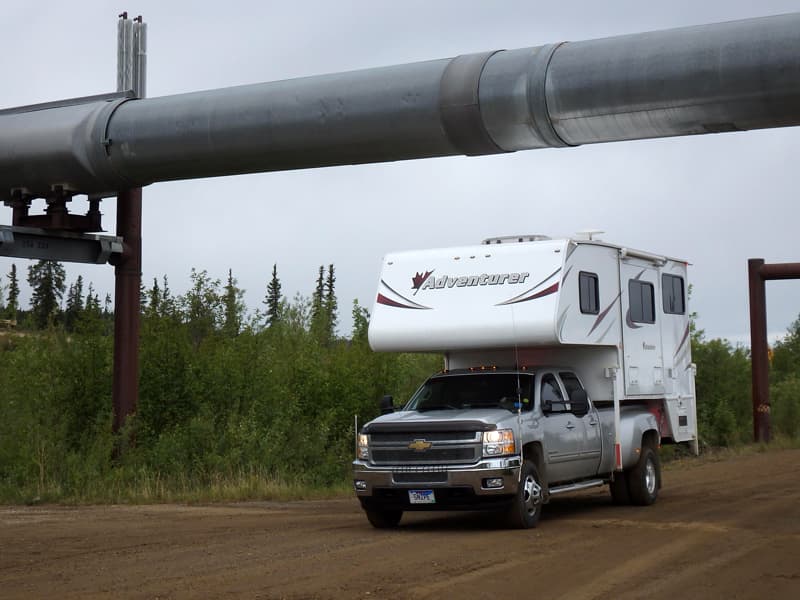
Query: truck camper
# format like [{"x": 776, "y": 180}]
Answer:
[{"x": 567, "y": 363}]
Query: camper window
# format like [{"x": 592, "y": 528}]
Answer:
[
  {"x": 672, "y": 291},
  {"x": 589, "y": 293},
  {"x": 642, "y": 307}
]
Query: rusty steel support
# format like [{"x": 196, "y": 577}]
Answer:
[
  {"x": 759, "y": 272},
  {"x": 758, "y": 351},
  {"x": 127, "y": 282}
]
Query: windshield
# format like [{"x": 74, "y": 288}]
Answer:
[{"x": 479, "y": 390}]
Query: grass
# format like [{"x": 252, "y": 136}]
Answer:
[
  {"x": 138, "y": 485},
  {"x": 121, "y": 486}
]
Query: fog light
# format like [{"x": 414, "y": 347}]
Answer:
[
  {"x": 360, "y": 484},
  {"x": 493, "y": 482}
]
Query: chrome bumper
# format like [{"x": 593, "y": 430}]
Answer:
[{"x": 367, "y": 478}]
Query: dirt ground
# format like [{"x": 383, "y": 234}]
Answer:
[{"x": 721, "y": 529}]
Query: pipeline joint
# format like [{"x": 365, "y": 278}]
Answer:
[{"x": 459, "y": 105}]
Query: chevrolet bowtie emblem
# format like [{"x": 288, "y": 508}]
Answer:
[{"x": 419, "y": 445}]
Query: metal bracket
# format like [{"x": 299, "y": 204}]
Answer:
[{"x": 39, "y": 244}]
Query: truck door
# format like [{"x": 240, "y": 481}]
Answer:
[
  {"x": 592, "y": 447},
  {"x": 641, "y": 331},
  {"x": 563, "y": 432}
]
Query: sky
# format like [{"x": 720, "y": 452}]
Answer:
[{"x": 714, "y": 200}]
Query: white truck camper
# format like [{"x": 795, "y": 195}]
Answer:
[{"x": 567, "y": 362}]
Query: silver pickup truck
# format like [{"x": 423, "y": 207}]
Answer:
[{"x": 505, "y": 440}]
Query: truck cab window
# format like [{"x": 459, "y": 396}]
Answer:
[
  {"x": 474, "y": 391},
  {"x": 570, "y": 381},
  {"x": 551, "y": 394}
]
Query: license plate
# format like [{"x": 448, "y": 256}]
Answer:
[{"x": 421, "y": 497}]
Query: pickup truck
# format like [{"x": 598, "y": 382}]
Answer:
[{"x": 504, "y": 440}]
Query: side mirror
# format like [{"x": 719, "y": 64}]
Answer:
[
  {"x": 547, "y": 406},
  {"x": 387, "y": 405},
  {"x": 580, "y": 402}
]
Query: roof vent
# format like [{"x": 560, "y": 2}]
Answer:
[{"x": 516, "y": 239}]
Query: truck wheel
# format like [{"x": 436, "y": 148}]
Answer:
[
  {"x": 526, "y": 509},
  {"x": 384, "y": 519},
  {"x": 645, "y": 478},
  {"x": 619, "y": 489}
]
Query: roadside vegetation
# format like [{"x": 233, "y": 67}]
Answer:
[{"x": 239, "y": 403}]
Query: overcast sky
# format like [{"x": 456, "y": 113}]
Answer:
[{"x": 715, "y": 200}]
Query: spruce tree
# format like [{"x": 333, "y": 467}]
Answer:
[
  {"x": 330, "y": 305},
  {"x": 154, "y": 299},
  {"x": 46, "y": 279},
  {"x": 324, "y": 306},
  {"x": 92, "y": 303},
  {"x": 142, "y": 297},
  {"x": 319, "y": 294},
  {"x": 12, "y": 305},
  {"x": 273, "y": 299},
  {"x": 167, "y": 301},
  {"x": 233, "y": 307},
  {"x": 74, "y": 307},
  {"x": 317, "y": 308}
]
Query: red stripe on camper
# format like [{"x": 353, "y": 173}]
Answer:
[
  {"x": 603, "y": 314},
  {"x": 545, "y": 292},
  {"x": 683, "y": 340},
  {"x": 389, "y": 302}
]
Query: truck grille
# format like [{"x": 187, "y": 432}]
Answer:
[
  {"x": 419, "y": 477},
  {"x": 432, "y": 436},
  {"x": 434, "y": 455},
  {"x": 425, "y": 448}
]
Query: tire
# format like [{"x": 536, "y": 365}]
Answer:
[
  {"x": 619, "y": 489},
  {"x": 526, "y": 509},
  {"x": 644, "y": 479},
  {"x": 383, "y": 519}
]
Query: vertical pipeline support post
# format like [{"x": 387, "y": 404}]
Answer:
[
  {"x": 131, "y": 65},
  {"x": 127, "y": 283},
  {"x": 758, "y": 273},
  {"x": 759, "y": 359}
]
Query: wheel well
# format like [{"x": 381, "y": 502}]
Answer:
[
  {"x": 533, "y": 451},
  {"x": 651, "y": 438}
]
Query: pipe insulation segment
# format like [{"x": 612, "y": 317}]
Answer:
[
  {"x": 724, "y": 77},
  {"x": 730, "y": 76}
]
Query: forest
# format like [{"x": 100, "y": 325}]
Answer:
[{"x": 238, "y": 402}]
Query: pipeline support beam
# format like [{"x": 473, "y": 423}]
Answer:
[{"x": 41, "y": 244}]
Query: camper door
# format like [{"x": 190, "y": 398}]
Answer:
[{"x": 641, "y": 328}]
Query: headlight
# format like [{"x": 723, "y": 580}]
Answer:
[
  {"x": 363, "y": 447},
  {"x": 499, "y": 442}
]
